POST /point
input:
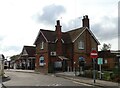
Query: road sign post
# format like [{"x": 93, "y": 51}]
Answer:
[
  {"x": 100, "y": 62},
  {"x": 94, "y": 55},
  {"x": 94, "y": 77}
]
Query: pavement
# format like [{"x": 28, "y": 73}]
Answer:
[
  {"x": 99, "y": 83},
  {"x": 71, "y": 76}
]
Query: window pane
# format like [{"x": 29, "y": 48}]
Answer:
[
  {"x": 42, "y": 45},
  {"x": 81, "y": 45}
]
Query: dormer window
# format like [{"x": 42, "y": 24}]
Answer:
[
  {"x": 80, "y": 45},
  {"x": 42, "y": 45}
]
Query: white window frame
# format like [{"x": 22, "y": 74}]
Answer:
[
  {"x": 42, "y": 45},
  {"x": 105, "y": 61},
  {"x": 81, "y": 45}
]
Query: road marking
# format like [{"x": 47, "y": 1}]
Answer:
[
  {"x": 82, "y": 83},
  {"x": 55, "y": 85}
]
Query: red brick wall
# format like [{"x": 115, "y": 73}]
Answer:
[
  {"x": 89, "y": 44},
  {"x": 44, "y": 53},
  {"x": 110, "y": 64}
]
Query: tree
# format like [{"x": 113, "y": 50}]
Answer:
[
  {"x": 14, "y": 57},
  {"x": 106, "y": 47}
]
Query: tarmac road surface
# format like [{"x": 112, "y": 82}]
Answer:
[{"x": 32, "y": 79}]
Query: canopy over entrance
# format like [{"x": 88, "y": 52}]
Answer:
[{"x": 63, "y": 58}]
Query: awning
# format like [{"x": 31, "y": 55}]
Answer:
[{"x": 63, "y": 58}]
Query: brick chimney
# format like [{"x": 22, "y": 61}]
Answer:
[
  {"x": 58, "y": 30},
  {"x": 58, "y": 37},
  {"x": 85, "y": 21}
]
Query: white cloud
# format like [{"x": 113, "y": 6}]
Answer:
[
  {"x": 50, "y": 14},
  {"x": 113, "y": 42},
  {"x": 106, "y": 29}
]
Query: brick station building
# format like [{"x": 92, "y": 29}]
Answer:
[
  {"x": 26, "y": 59},
  {"x": 63, "y": 51}
]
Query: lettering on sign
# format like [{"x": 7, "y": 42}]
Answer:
[{"x": 94, "y": 54}]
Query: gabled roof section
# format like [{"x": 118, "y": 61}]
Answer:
[
  {"x": 76, "y": 33},
  {"x": 37, "y": 38},
  {"x": 29, "y": 51},
  {"x": 67, "y": 37},
  {"x": 48, "y": 35},
  {"x": 93, "y": 35}
]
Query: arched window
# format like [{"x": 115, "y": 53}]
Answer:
[
  {"x": 81, "y": 59},
  {"x": 41, "y": 61}
]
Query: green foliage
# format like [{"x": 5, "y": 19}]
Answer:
[
  {"x": 106, "y": 47},
  {"x": 116, "y": 74},
  {"x": 88, "y": 73},
  {"x": 107, "y": 75},
  {"x": 14, "y": 57}
]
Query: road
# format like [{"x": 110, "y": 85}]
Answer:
[{"x": 32, "y": 79}]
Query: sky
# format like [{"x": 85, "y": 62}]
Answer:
[{"x": 21, "y": 20}]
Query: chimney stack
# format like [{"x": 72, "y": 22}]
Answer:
[
  {"x": 58, "y": 37},
  {"x": 58, "y": 30},
  {"x": 85, "y": 21}
]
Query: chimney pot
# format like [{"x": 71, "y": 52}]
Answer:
[
  {"x": 86, "y": 16},
  {"x": 83, "y": 17},
  {"x": 85, "y": 21},
  {"x": 58, "y": 22}
]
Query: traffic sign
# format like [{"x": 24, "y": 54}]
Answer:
[
  {"x": 93, "y": 54},
  {"x": 100, "y": 60}
]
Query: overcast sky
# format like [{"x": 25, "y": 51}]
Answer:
[{"x": 20, "y": 20}]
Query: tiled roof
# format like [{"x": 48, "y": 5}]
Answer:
[
  {"x": 75, "y": 33},
  {"x": 30, "y": 50},
  {"x": 68, "y": 37},
  {"x": 50, "y": 35}
]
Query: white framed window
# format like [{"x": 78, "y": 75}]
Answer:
[
  {"x": 58, "y": 64},
  {"x": 105, "y": 61},
  {"x": 41, "y": 61},
  {"x": 80, "y": 45},
  {"x": 42, "y": 45}
]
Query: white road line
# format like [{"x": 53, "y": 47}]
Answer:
[
  {"x": 81, "y": 83},
  {"x": 54, "y": 85}
]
